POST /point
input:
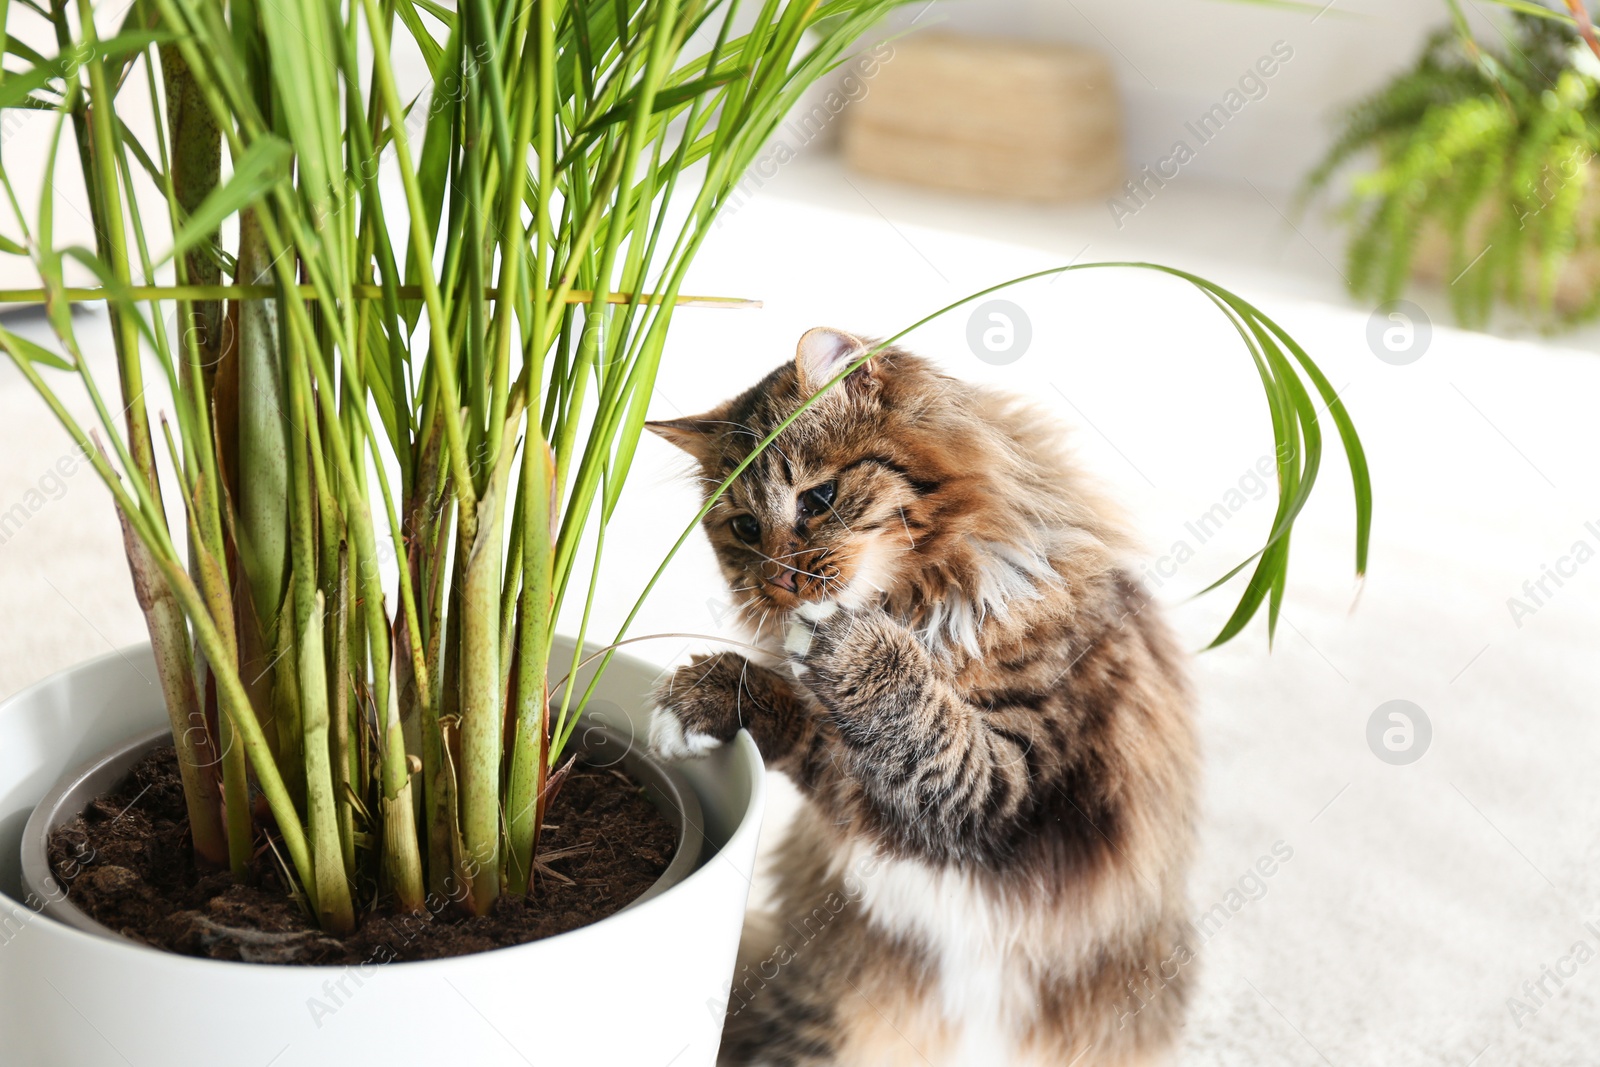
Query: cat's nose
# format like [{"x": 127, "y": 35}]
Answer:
[{"x": 784, "y": 579}]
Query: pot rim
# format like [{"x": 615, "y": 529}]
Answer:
[{"x": 649, "y": 903}]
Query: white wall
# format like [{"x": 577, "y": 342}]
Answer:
[{"x": 1177, "y": 58}]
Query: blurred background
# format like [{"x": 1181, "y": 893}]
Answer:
[
  {"x": 1422, "y": 743},
  {"x": 1173, "y": 59}
]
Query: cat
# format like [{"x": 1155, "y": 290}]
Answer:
[{"x": 986, "y": 717}]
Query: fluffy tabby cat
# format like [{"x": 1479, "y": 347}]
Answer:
[{"x": 987, "y": 719}]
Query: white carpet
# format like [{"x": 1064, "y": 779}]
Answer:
[{"x": 1418, "y": 898}]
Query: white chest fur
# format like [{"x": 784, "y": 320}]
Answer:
[{"x": 973, "y": 940}]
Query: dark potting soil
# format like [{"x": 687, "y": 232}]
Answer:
[{"x": 127, "y": 861}]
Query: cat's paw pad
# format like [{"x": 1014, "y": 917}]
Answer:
[{"x": 670, "y": 740}]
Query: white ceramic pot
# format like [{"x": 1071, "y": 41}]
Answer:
[{"x": 643, "y": 988}]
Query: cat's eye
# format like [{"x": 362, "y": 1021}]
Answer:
[
  {"x": 816, "y": 500},
  {"x": 745, "y": 528}
]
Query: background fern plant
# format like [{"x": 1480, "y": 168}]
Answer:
[{"x": 1482, "y": 160}]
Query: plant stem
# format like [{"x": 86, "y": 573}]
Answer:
[
  {"x": 213, "y": 582},
  {"x": 169, "y": 641},
  {"x": 169, "y": 636},
  {"x": 335, "y": 913},
  {"x": 233, "y": 698},
  {"x": 482, "y": 719},
  {"x": 196, "y": 168},
  {"x": 343, "y": 689},
  {"x": 402, "y": 861},
  {"x": 531, "y": 722},
  {"x": 263, "y": 492}
]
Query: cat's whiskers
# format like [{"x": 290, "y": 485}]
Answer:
[
  {"x": 738, "y": 694},
  {"x": 791, "y": 555},
  {"x": 784, "y": 565}
]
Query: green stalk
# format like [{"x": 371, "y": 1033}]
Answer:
[
  {"x": 193, "y": 171},
  {"x": 304, "y": 560},
  {"x": 169, "y": 636},
  {"x": 107, "y": 195},
  {"x": 531, "y": 714},
  {"x": 169, "y": 641},
  {"x": 510, "y": 274},
  {"x": 510, "y": 584},
  {"x": 482, "y": 719},
  {"x": 441, "y": 727},
  {"x": 196, "y": 168},
  {"x": 261, "y": 499},
  {"x": 443, "y": 362},
  {"x": 344, "y": 782},
  {"x": 470, "y": 302},
  {"x": 214, "y": 585},
  {"x": 236, "y": 796},
  {"x": 263, "y": 492},
  {"x": 335, "y": 913},
  {"x": 402, "y": 861},
  {"x": 428, "y": 524},
  {"x": 286, "y": 702},
  {"x": 235, "y": 702},
  {"x": 535, "y": 343}
]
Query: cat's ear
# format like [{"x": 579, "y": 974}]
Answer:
[
  {"x": 693, "y": 434},
  {"x": 824, "y": 352}
]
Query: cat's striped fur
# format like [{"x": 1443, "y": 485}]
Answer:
[{"x": 986, "y": 716}]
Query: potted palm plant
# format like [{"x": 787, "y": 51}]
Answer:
[
  {"x": 396, "y": 423},
  {"x": 413, "y": 338}
]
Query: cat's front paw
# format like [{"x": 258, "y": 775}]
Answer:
[
  {"x": 697, "y": 707},
  {"x": 670, "y": 739},
  {"x": 803, "y": 626},
  {"x": 851, "y": 660}
]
